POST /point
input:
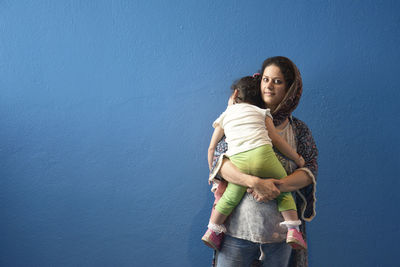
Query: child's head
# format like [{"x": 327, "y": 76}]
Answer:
[{"x": 248, "y": 90}]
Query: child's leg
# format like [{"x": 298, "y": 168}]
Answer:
[
  {"x": 287, "y": 207},
  {"x": 229, "y": 200},
  {"x": 264, "y": 163},
  {"x": 273, "y": 168},
  {"x": 233, "y": 193},
  {"x": 286, "y": 202},
  {"x": 216, "y": 217},
  {"x": 290, "y": 215},
  {"x": 219, "y": 191}
]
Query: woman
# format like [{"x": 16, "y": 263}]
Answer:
[{"x": 253, "y": 229}]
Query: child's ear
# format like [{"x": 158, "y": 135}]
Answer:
[{"x": 235, "y": 95}]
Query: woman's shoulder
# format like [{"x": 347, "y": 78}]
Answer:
[
  {"x": 299, "y": 125},
  {"x": 302, "y": 132},
  {"x": 296, "y": 121}
]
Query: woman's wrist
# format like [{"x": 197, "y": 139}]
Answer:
[
  {"x": 300, "y": 161},
  {"x": 265, "y": 189},
  {"x": 250, "y": 180},
  {"x": 297, "y": 180},
  {"x": 282, "y": 186}
]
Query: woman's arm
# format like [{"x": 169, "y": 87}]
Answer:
[
  {"x": 263, "y": 189},
  {"x": 306, "y": 146},
  {"x": 281, "y": 144},
  {"x": 297, "y": 180}
]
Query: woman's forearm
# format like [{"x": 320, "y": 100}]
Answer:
[
  {"x": 233, "y": 175},
  {"x": 262, "y": 189},
  {"x": 297, "y": 180}
]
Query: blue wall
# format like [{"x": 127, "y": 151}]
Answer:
[{"x": 106, "y": 111}]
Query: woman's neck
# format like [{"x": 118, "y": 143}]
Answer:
[{"x": 272, "y": 109}]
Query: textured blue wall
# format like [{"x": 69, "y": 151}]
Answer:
[{"x": 106, "y": 111}]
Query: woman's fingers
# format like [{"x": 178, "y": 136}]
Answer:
[
  {"x": 260, "y": 198},
  {"x": 266, "y": 189}
]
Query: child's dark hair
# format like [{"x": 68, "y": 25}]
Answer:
[{"x": 248, "y": 90}]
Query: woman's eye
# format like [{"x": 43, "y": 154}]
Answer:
[
  {"x": 265, "y": 79},
  {"x": 277, "y": 81}
]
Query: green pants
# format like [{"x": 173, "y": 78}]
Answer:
[{"x": 261, "y": 162}]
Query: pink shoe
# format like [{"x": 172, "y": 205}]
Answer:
[
  {"x": 212, "y": 240},
  {"x": 295, "y": 239}
]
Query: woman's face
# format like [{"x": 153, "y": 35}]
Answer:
[{"x": 273, "y": 86}]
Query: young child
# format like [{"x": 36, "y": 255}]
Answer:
[{"x": 249, "y": 131}]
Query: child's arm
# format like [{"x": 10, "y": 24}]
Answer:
[
  {"x": 281, "y": 144},
  {"x": 217, "y": 135}
]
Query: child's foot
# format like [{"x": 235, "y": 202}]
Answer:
[
  {"x": 295, "y": 239},
  {"x": 212, "y": 239}
]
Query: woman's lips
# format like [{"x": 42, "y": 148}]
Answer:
[{"x": 268, "y": 93}]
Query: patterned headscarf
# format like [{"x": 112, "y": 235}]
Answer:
[{"x": 291, "y": 99}]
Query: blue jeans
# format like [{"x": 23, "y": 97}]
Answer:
[{"x": 237, "y": 252}]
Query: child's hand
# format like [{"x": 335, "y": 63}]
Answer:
[{"x": 300, "y": 162}]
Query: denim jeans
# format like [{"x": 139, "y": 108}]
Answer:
[{"x": 237, "y": 252}]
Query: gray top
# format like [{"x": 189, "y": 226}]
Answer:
[{"x": 259, "y": 222}]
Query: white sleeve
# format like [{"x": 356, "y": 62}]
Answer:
[
  {"x": 219, "y": 121},
  {"x": 268, "y": 113}
]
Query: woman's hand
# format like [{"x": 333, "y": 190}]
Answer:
[
  {"x": 262, "y": 189},
  {"x": 265, "y": 189}
]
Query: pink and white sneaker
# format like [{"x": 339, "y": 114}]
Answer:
[
  {"x": 295, "y": 239},
  {"x": 211, "y": 239}
]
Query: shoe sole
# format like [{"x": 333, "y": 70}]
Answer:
[
  {"x": 209, "y": 244},
  {"x": 295, "y": 244}
]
